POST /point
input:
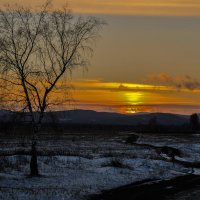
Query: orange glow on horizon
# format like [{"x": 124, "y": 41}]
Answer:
[
  {"x": 130, "y": 98},
  {"x": 127, "y": 98}
]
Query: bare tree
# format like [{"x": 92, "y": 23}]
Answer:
[{"x": 37, "y": 50}]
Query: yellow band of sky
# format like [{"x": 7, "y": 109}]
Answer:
[{"x": 125, "y": 7}]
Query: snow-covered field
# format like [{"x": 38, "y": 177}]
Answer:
[{"x": 76, "y": 166}]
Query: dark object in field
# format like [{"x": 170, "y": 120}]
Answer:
[
  {"x": 150, "y": 189},
  {"x": 132, "y": 139},
  {"x": 117, "y": 163},
  {"x": 169, "y": 151}
]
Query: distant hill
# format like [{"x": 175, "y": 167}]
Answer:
[{"x": 93, "y": 117}]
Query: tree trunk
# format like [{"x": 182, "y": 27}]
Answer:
[{"x": 34, "y": 164}]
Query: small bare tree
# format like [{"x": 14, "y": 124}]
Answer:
[{"x": 37, "y": 50}]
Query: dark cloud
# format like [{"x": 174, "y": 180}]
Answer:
[{"x": 180, "y": 82}]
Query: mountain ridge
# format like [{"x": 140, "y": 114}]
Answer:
[{"x": 79, "y": 116}]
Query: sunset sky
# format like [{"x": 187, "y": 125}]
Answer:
[{"x": 147, "y": 60}]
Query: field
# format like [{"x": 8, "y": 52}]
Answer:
[{"x": 75, "y": 166}]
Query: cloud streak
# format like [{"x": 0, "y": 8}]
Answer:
[
  {"x": 133, "y": 97},
  {"x": 179, "y": 82}
]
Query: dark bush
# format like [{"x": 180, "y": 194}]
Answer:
[{"x": 132, "y": 139}]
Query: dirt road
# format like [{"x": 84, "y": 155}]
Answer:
[{"x": 154, "y": 189}]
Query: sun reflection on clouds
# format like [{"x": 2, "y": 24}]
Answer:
[{"x": 131, "y": 98}]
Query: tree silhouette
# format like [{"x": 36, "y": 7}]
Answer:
[
  {"x": 194, "y": 122},
  {"x": 153, "y": 123},
  {"x": 37, "y": 50}
]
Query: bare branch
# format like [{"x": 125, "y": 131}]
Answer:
[{"x": 37, "y": 50}]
